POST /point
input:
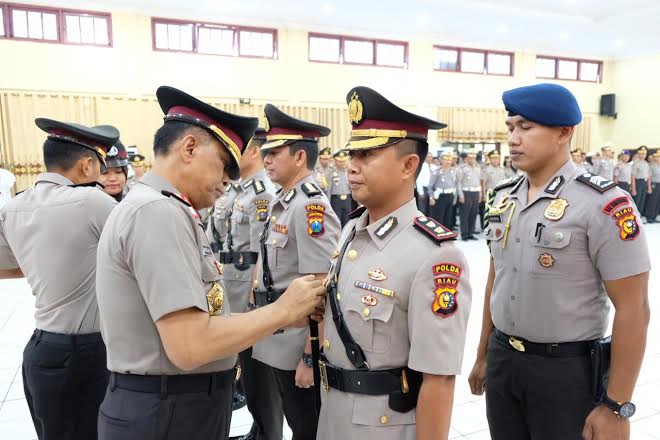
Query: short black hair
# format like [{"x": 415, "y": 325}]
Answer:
[
  {"x": 311, "y": 149},
  {"x": 170, "y": 132},
  {"x": 62, "y": 155},
  {"x": 412, "y": 146}
]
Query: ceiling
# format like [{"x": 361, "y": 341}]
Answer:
[{"x": 610, "y": 29}]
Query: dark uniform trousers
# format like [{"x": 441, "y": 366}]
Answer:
[
  {"x": 653, "y": 203},
  {"x": 469, "y": 211},
  {"x": 133, "y": 409},
  {"x": 641, "y": 186},
  {"x": 482, "y": 209},
  {"x": 443, "y": 210},
  {"x": 422, "y": 201},
  {"x": 299, "y": 405},
  {"x": 64, "y": 379},
  {"x": 624, "y": 186},
  {"x": 263, "y": 397},
  {"x": 342, "y": 205},
  {"x": 530, "y": 397}
]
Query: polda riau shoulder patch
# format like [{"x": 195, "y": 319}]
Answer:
[
  {"x": 434, "y": 230},
  {"x": 596, "y": 182}
]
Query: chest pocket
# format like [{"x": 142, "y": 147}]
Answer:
[
  {"x": 276, "y": 243},
  {"x": 554, "y": 253},
  {"x": 369, "y": 324}
]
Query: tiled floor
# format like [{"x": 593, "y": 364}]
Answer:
[{"x": 469, "y": 416}]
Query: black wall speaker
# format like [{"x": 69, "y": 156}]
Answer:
[{"x": 607, "y": 105}]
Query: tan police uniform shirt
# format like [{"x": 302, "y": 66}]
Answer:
[
  {"x": 641, "y": 169},
  {"x": 469, "y": 178},
  {"x": 605, "y": 168},
  {"x": 323, "y": 176},
  {"x": 560, "y": 247},
  {"x": 392, "y": 277},
  {"x": 443, "y": 181},
  {"x": 295, "y": 248},
  {"x": 220, "y": 217},
  {"x": 155, "y": 260},
  {"x": 51, "y": 231},
  {"x": 623, "y": 172},
  {"x": 339, "y": 185},
  {"x": 492, "y": 175},
  {"x": 249, "y": 214}
]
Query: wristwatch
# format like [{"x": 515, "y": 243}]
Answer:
[
  {"x": 308, "y": 360},
  {"x": 624, "y": 410}
]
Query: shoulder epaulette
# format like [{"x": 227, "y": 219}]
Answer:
[
  {"x": 357, "y": 212},
  {"x": 179, "y": 198},
  {"x": 311, "y": 189},
  {"x": 259, "y": 186},
  {"x": 248, "y": 184},
  {"x": 290, "y": 195},
  {"x": 434, "y": 230},
  {"x": 92, "y": 184},
  {"x": 596, "y": 182},
  {"x": 511, "y": 181}
]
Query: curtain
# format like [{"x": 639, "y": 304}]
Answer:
[{"x": 472, "y": 124}]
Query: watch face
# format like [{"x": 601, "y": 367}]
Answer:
[{"x": 627, "y": 410}]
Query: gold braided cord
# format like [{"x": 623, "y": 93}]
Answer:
[
  {"x": 374, "y": 132},
  {"x": 228, "y": 142}
]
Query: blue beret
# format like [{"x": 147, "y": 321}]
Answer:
[{"x": 546, "y": 104}]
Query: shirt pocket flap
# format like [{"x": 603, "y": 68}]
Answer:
[
  {"x": 370, "y": 306},
  {"x": 375, "y": 411},
  {"x": 552, "y": 238}
]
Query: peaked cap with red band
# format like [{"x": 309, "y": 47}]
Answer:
[
  {"x": 284, "y": 129},
  {"x": 117, "y": 156},
  {"x": 99, "y": 139},
  {"x": 233, "y": 131},
  {"x": 378, "y": 123}
]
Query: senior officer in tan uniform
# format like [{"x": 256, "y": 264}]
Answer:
[
  {"x": 300, "y": 238},
  {"x": 442, "y": 191},
  {"x": 172, "y": 338},
  {"x": 50, "y": 233},
  {"x": 469, "y": 194},
  {"x": 248, "y": 214},
  {"x": 399, "y": 293},
  {"x": 561, "y": 242},
  {"x": 339, "y": 192},
  {"x": 324, "y": 169}
]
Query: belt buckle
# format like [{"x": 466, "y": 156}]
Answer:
[
  {"x": 241, "y": 259},
  {"x": 517, "y": 344},
  {"x": 324, "y": 375},
  {"x": 343, "y": 197}
]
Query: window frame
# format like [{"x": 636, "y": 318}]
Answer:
[
  {"x": 579, "y": 68},
  {"x": 342, "y": 49},
  {"x": 60, "y": 21},
  {"x": 485, "y": 52},
  {"x": 236, "y": 45}
]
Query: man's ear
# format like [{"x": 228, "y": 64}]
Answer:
[
  {"x": 410, "y": 163},
  {"x": 86, "y": 166},
  {"x": 186, "y": 147},
  {"x": 565, "y": 134},
  {"x": 301, "y": 158}
]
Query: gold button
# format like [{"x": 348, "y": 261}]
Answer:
[
  {"x": 339, "y": 297},
  {"x": 326, "y": 344},
  {"x": 365, "y": 312},
  {"x": 237, "y": 276},
  {"x": 256, "y": 284},
  {"x": 352, "y": 255},
  {"x": 384, "y": 420},
  {"x": 273, "y": 218},
  {"x": 274, "y": 242}
]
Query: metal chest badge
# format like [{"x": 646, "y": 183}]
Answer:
[
  {"x": 377, "y": 275},
  {"x": 555, "y": 210},
  {"x": 355, "y": 109},
  {"x": 215, "y": 299}
]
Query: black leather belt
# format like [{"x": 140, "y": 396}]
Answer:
[
  {"x": 566, "y": 349},
  {"x": 374, "y": 383},
  {"x": 187, "y": 383},
  {"x": 264, "y": 297},
  {"x": 62, "y": 339},
  {"x": 216, "y": 246},
  {"x": 239, "y": 258}
]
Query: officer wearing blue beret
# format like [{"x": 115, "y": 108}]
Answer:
[{"x": 563, "y": 245}]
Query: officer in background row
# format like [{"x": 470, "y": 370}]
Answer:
[
  {"x": 469, "y": 194},
  {"x": 324, "y": 169},
  {"x": 399, "y": 292},
  {"x": 606, "y": 164},
  {"x": 137, "y": 165},
  {"x": 115, "y": 177},
  {"x": 299, "y": 239},
  {"x": 50, "y": 234},
  {"x": 640, "y": 178},
  {"x": 442, "y": 191},
  {"x": 172, "y": 337},
  {"x": 216, "y": 228},
  {"x": 248, "y": 214},
  {"x": 653, "y": 198},
  {"x": 623, "y": 171},
  {"x": 339, "y": 192},
  {"x": 563, "y": 244},
  {"x": 578, "y": 160},
  {"x": 491, "y": 175}
]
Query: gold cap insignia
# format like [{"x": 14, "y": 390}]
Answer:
[
  {"x": 355, "y": 109},
  {"x": 266, "y": 123}
]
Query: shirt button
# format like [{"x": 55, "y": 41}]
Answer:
[
  {"x": 384, "y": 420},
  {"x": 352, "y": 255},
  {"x": 515, "y": 270},
  {"x": 517, "y": 240},
  {"x": 273, "y": 218},
  {"x": 365, "y": 312},
  {"x": 326, "y": 344},
  {"x": 274, "y": 242},
  {"x": 522, "y": 213},
  {"x": 513, "y": 297},
  {"x": 339, "y": 297},
  {"x": 546, "y": 242}
]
